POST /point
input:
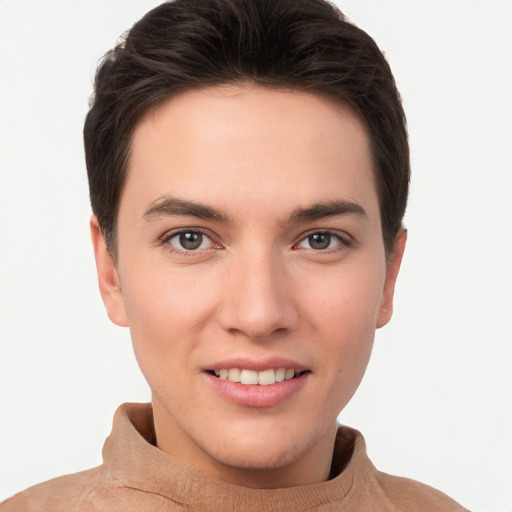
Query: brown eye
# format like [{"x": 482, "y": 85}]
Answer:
[
  {"x": 190, "y": 241},
  {"x": 319, "y": 241},
  {"x": 322, "y": 240}
]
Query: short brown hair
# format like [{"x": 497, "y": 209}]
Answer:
[{"x": 303, "y": 44}]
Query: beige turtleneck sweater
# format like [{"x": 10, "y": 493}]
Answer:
[{"x": 136, "y": 476}]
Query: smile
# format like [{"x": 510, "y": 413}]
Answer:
[
  {"x": 252, "y": 377},
  {"x": 257, "y": 388}
]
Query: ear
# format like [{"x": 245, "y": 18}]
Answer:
[
  {"x": 108, "y": 278},
  {"x": 393, "y": 266}
]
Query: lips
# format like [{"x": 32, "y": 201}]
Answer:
[{"x": 257, "y": 384}]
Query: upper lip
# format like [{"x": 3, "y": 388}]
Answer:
[{"x": 257, "y": 365}]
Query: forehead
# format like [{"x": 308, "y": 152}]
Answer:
[{"x": 252, "y": 145}]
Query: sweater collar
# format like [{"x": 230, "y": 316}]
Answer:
[{"x": 131, "y": 457}]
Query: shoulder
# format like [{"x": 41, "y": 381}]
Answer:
[
  {"x": 411, "y": 496},
  {"x": 64, "y": 493},
  {"x": 382, "y": 491}
]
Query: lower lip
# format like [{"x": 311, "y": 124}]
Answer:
[{"x": 255, "y": 395}]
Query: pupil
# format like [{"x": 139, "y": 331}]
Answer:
[
  {"x": 320, "y": 240},
  {"x": 191, "y": 241}
]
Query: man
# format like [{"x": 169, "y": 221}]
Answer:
[{"x": 248, "y": 170}]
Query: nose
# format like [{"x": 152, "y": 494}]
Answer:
[{"x": 258, "y": 299}]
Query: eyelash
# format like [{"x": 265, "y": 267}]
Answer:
[
  {"x": 166, "y": 240},
  {"x": 344, "y": 240}
]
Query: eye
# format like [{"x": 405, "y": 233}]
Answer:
[
  {"x": 188, "y": 241},
  {"x": 321, "y": 241}
]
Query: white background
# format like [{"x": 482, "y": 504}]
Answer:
[{"x": 436, "y": 403}]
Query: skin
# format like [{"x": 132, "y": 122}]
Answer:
[{"x": 258, "y": 287}]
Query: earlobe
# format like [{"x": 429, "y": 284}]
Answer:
[
  {"x": 393, "y": 267},
  {"x": 108, "y": 278}
]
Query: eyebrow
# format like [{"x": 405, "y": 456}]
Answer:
[
  {"x": 327, "y": 209},
  {"x": 169, "y": 206},
  {"x": 172, "y": 206}
]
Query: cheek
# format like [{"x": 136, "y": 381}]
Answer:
[
  {"x": 165, "y": 311},
  {"x": 347, "y": 301},
  {"x": 344, "y": 312}
]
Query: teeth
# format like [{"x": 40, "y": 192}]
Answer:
[
  {"x": 251, "y": 377},
  {"x": 289, "y": 374},
  {"x": 267, "y": 377},
  {"x": 234, "y": 375}
]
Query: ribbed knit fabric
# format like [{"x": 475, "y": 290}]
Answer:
[{"x": 136, "y": 476}]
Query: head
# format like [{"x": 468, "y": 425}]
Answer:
[{"x": 248, "y": 169}]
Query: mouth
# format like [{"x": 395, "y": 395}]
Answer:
[
  {"x": 258, "y": 378},
  {"x": 254, "y": 384}
]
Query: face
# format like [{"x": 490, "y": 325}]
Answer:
[{"x": 252, "y": 275}]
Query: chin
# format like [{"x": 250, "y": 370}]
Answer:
[
  {"x": 258, "y": 450},
  {"x": 259, "y": 459}
]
